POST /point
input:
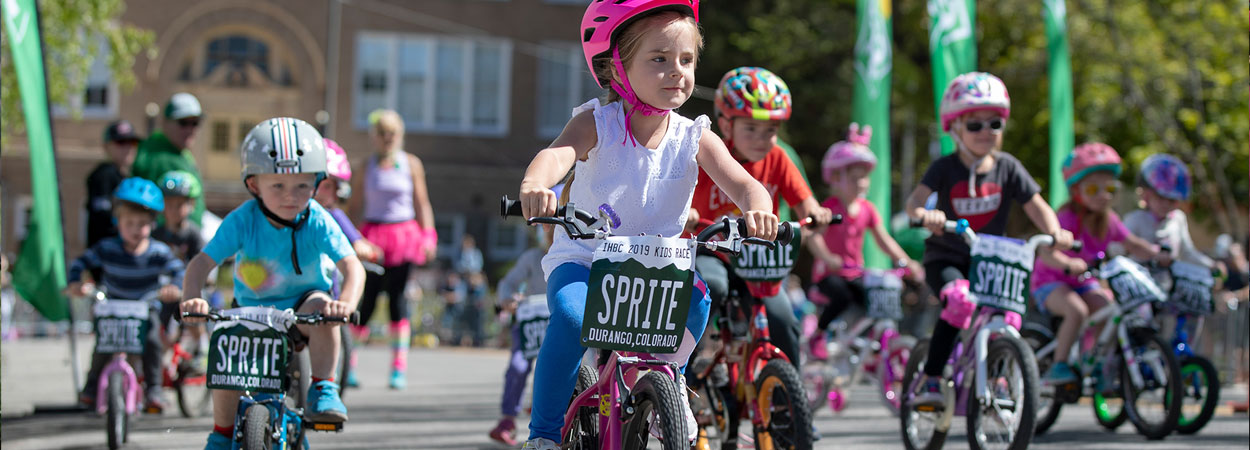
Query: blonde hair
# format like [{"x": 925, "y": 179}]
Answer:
[
  {"x": 628, "y": 42},
  {"x": 386, "y": 119}
]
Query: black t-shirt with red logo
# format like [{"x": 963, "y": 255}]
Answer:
[{"x": 986, "y": 213}]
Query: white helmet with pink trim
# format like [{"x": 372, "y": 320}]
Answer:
[
  {"x": 973, "y": 91},
  {"x": 854, "y": 150}
]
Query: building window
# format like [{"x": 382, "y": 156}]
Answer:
[
  {"x": 100, "y": 95},
  {"x": 564, "y": 82},
  {"x": 439, "y": 84},
  {"x": 221, "y": 136},
  {"x": 237, "y": 53},
  {"x": 507, "y": 239}
]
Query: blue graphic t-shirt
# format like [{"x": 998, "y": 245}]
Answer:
[{"x": 263, "y": 274}]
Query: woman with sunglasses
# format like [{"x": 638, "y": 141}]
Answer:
[
  {"x": 1091, "y": 173},
  {"x": 974, "y": 183}
]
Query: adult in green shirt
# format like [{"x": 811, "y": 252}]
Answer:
[{"x": 169, "y": 148}]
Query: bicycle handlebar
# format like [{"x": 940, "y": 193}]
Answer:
[
  {"x": 300, "y": 318},
  {"x": 962, "y": 228}
]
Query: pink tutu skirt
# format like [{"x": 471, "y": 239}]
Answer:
[{"x": 400, "y": 242}]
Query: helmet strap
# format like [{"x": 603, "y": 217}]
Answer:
[{"x": 634, "y": 105}]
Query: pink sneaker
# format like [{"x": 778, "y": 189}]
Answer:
[
  {"x": 505, "y": 432},
  {"x": 817, "y": 346}
]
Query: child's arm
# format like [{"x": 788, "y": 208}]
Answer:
[
  {"x": 193, "y": 285},
  {"x": 1145, "y": 251},
  {"x": 746, "y": 192},
  {"x": 353, "y": 283},
  {"x": 89, "y": 261},
  {"x": 809, "y": 207},
  {"x": 1045, "y": 219},
  {"x": 552, "y": 163},
  {"x": 421, "y": 201},
  {"x": 891, "y": 247},
  {"x": 170, "y": 293}
]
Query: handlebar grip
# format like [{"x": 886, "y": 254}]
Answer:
[
  {"x": 837, "y": 219},
  {"x": 785, "y": 232},
  {"x": 509, "y": 208},
  {"x": 915, "y": 223},
  {"x": 1077, "y": 246}
]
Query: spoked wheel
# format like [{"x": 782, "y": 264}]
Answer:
[
  {"x": 1200, "y": 386},
  {"x": 1048, "y": 402},
  {"x": 194, "y": 397},
  {"x": 655, "y": 399},
  {"x": 817, "y": 380},
  {"x": 584, "y": 434},
  {"x": 1005, "y": 420},
  {"x": 920, "y": 428},
  {"x": 257, "y": 433},
  {"x": 786, "y": 421},
  {"x": 117, "y": 417},
  {"x": 1155, "y": 406},
  {"x": 890, "y": 372},
  {"x": 711, "y": 410}
]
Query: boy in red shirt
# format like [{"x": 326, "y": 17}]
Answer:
[{"x": 751, "y": 103}]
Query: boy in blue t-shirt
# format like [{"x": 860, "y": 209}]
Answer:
[
  {"x": 278, "y": 240},
  {"x": 131, "y": 265}
]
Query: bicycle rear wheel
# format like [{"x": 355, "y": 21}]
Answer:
[
  {"x": 194, "y": 397},
  {"x": 655, "y": 399},
  {"x": 1048, "y": 402},
  {"x": 786, "y": 421},
  {"x": 1201, "y": 393},
  {"x": 890, "y": 371},
  {"x": 584, "y": 432},
  {"x": 1007, "y": 422},
  {"x": 117, "y": 417}
]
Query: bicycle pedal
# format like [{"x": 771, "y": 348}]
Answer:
[
  {"x": 323, "y": 426},
  {"x": 928, "y": 408}
]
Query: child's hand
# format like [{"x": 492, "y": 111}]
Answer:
[
  {"x": 822, "y": 216},
  {"x": 169, "y": 294},
  {"x": 692, "y": 221},
  {"x": 365, "y": 250},
  {"x": 761, "y": 224},
  {"x": 193, "y": 306},
  {"x": 537, "y": 201},
  {"x": 328, "y": 307},
  {"x": 915, "y": 271},
  {"x": 934, "y": 220},
  {"x": 1064, "y": 240},
  {"x": 834, "y": 262},
  {"x": 78, "y": 289},
  {"x": 1076, "y": 266}
]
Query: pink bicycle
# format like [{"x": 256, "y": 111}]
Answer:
[{"x": 121, "y": 329}]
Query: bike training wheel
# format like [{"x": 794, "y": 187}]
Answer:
[
  {"x": 345, "y": 356},
  {"x": 655, "y": 398},
  {"x": 256, "y": 428},
  {"x": 1007, "y": 422},
  {"x": 194, "y": 397},
  {"x": 890, "y": 372},
  {"x": 117, "y": 417},
  {"x": 919, "y": 428},
  {"x": 584, "y": 434},
  {"x": 1200, "y": 384},
  {"x": 786, "y": 421},
  {"x": 1154, "y": 408},
  {"x": 1048, "y": 402},
  {"x": 817, "y": 379}
]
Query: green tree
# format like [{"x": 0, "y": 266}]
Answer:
[{"x": 71, "y": 32}]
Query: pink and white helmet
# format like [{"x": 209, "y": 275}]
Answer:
[
  {"x": 336, "y": 161},
  {"x": 973, "y": 91},
  {"x": 854, "y": 150},
  {"x": 604, "y": 18}
]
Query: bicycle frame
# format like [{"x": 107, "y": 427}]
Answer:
[
  {"x": 611, "y": 395},
  {"x": 1181, "y": 338},
  {"x": 1113, "y": 315},
  {"x": 119, "y": 363}
]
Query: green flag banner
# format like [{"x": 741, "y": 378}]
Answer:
[
  {"x": 874, "y": 58},
  {"x": 953, "y": 47},
  {"x": 1060, "y": 67},
  {"x": 39, "y": 273}
]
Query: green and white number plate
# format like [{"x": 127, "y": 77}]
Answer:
[
  {"x": 249, "y": 356},
  {"x": 121, "y": 326},
  {"x": 639, "y": 294},
  {"x": 999, "y": 274}
]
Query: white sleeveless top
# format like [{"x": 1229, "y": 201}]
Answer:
[{"x": 650, "y": 190}]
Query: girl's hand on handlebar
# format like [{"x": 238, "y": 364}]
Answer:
[
  {"x": 193, "y": 306},
  {"x": 1063, "y": 241},
  {"x": 1076, "y": 266},
  {"x": 170, "y": 294},
  {"x": 537, "y": 201},
  {"x": 328, "y": 307},
  {"x": 934, "y": 220},
  {"x": 761, "y": 224},
  {"x": 820, "y": 217},
  {"x": 915, "y": 271}
]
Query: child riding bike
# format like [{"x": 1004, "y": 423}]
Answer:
[
  {"x": 640, "y": 159},
  {"x": 131, "y": 265},
  {"x": 1090, "y": 173},
  {"x": 1163, "y": 185},
  {"x": 279, "y": 240},
  {"x": 751, "y": 103},
  {"x": 971, "y": 184},
  {"x": 839, "y": 250}
]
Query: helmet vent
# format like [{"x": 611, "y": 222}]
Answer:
[
  {"x": 586, "y": 35},
  {"x": 601, "y": 19}
]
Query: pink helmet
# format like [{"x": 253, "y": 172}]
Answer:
[
  {"x": 1088, "y": 158},
  {"x": 603, "y": 19},
  {"x": 336, "y": 161},
  {"x": 973, "y": 91},
  {"x": 854, "y": 150}
]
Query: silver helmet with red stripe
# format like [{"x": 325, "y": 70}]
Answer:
[{"x": 282, "y": 145}]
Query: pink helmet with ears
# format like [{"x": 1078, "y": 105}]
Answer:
[
  {"x": 336, "y": 161},
  {"x": 604, "y": 18},
  {"x": 854, "y": 150}
]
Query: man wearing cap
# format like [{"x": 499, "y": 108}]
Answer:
[
  {"x": 169, "y": 148},
  {"x": 119, "y": 147}
]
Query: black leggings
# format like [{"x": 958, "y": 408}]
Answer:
[
  {"x": 392, "y": 281},
  {"x": 937, "y": 274},
  {"x": 841, "y": 292}
]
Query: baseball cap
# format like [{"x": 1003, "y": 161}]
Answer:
[
  {"x": 182, "y": 105},
  {"x": 120, "y": 131}
]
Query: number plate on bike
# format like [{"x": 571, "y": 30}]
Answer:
[
  {"x": 248, "y": 356},
  {"x": 1131, "y": 283},
  {"x": 1191, "y": 288},
  {"x": 884, "y": 290},
  {"x": 639, "y": 294},
  {"x": 760, "y": 263},
  {"x": 531, "y": 318},
  {"x": 999, "y": 273},
  {"x": 121, "y": 326}
]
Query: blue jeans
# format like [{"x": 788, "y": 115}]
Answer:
[{"x": 556, "y": 371}]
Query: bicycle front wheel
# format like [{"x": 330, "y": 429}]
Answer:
[
  {"x": 920, "y": 428},
  {"x": 786, "y": 421},
  {"x": 1005, "y": 420},
  {"x": 1200, "y": 384},
  {"x": 256, "y": 428},
  {"x": 194, "y": 397},
  {"x": 117, "y": 417},
  {"x": 655, "y": 400},
  {"x": 1155, "y": 406}
]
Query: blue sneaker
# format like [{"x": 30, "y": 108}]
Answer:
[
  {"x": 930, "y": 395},
  {"x": 326, "y": 404},
  {"x": 351, "y": 380},
  {"x": 218, "y": 441},
  {"x": 398, "y": 381},
  {"x": 1060, "y": 374}
]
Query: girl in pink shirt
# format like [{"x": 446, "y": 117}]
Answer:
[
  {"x": 839, "y": 248},
  {"x": 1091, "y": 173}
]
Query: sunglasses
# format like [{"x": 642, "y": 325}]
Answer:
[
  {"x": 1091, "y": 190},
  {"x": 189, "y": 123},
  {"x": 975, "y": 126}
]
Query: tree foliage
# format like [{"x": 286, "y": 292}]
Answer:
[
  {"x": 71, "y": 31},
  {"x": 1148, "y": 77}
]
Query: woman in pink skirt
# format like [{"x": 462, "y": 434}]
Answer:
[{"x": 397, "y": 217}]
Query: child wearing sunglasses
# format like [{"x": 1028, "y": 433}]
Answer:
[
  {"x": 1091, "y": 173},
  {"x": 975, "y": 183}
]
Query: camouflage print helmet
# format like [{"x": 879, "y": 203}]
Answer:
[{"x": 282, "y": 145}]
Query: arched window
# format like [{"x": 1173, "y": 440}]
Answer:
[{"x": 237, "y": 53}]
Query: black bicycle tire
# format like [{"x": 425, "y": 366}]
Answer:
[
  {"x": 801, "y": 417},
  {"x": 585, "y": 429},
  {"x": 1036, "y": 341},
  {"x": 919, "y": 354},
  {"x": 1212, "y": 399},
  {"x": 256, "y": 428},
  {"x": 1162, "y": 430},
  {"x": 656, "y": 392},
  {"x": 117, "y": 417},
  {"x": 1028, "y": 366}
]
